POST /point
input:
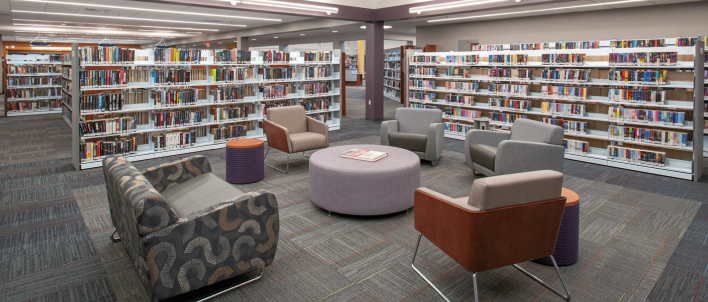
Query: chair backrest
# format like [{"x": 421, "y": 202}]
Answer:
[
  {"x": 411, "y": 120},
  {"x": 291, "y": 117},
  {"x": 533, "y": 131},
  {"x": 515, "y": 189}
]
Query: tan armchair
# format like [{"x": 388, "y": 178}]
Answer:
[
  {"x": 505, "y": 220},
  {"x": 288, "y": 129}
]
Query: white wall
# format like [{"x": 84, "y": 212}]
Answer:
[{"x": 656, "y": 21}]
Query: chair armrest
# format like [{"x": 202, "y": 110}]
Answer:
[
  {"x": 484, "y": 137},
  {"x": 485, "y": 240},
  {"x": 386, "y": 128},
  {"x": 519, "y": 156},
  {"x": 229, "y": 239},
  {"x": 436, "y": 141},
  {"x": 316, "y": 126},
  {"x": 167, "y": 175},
  {"x": 278, "y": 136}
]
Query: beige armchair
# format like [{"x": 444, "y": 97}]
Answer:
[{"x": 288, "y": 129}]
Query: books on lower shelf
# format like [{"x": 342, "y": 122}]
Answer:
[
  {"x": 421, "y": 96},
  {"x": 458, "y": 86},
  {"x": 421, "y": 84},
  {"x": 652, "y": 136},
  {"x": 515, "y": 105},
  {"x": 638, "y": 43},
  {"x": 457, "y": 128},
  {"x": 637, "y": 96},
  {"x": 575, "y": 146},
  {"x": 511, "y": 73},
  {"x": 364, "y": 155},
  {"x": 638, "y": 156},
  {"x": 644, "y": 59},
  {"x": 567, "y": 92},
  {"x": 508, "y": 89},
  {"x": 174, "y": 140},
  {"x": 649, "y": 77},
  {"x": 658, "y": 117},
  {"x": 91, "y": 151},
  {"x": 419, "y": 106},
  {"x": 505, "y": 118},
  {"x": 571, "y": 127},
  {"x": 459, "y": 99},
  {"x": 229, "y": 133},
  {"x": 563, "y": 109},
  {"x": 567, "y": 75},
  {"x": 462, "y": 113}
]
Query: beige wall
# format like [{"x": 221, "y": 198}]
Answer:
[{"x": 659, "y": 21}]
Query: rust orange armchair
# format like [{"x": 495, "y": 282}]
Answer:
[{"x": 506, "y": 220}]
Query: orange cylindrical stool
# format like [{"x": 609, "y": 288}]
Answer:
[
  {"x": 567, "y": 244},
  {"x": 244, "y": 161}
]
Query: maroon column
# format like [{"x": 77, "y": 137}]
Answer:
[{"x": 374, "y": 70}]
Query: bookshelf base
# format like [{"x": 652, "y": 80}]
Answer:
[{"x": 39, "y": 112}]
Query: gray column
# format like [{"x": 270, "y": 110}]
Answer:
[
  {"x": 374, "y": 66},
  {"x": 243, "y": 43}
]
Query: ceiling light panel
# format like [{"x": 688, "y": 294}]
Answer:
[
  {"x": 449, "y": 5},
  {"x": 123, "y": 18},
  {"x": 141, "y": 9},
  {"x": 289, "y": 5}
]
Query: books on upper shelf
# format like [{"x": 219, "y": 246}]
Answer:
[
  {"x": 421, "y": 96},
  {"x": 638, "y": 43},
  {"x": 511, "y": 73},
  {"x": 649, "y": 77},
  {"x": 509, "y": 59},
  {"x": 657, "y": 117},
  {"x": 566, "y": 75},
  {"x": 571, "y": 127},
  {"x": 578, "y": 45},
  {"x": 650, "y": 136},
  {"x": 563, "y": 59},
  {"x": 644, "y": 59},
  {"x": 365, "y": 155}
]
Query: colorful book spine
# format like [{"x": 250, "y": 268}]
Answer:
[
  {"x": 316, "y": 88},
  {"x": 98, "y": 150},
  {"x": 424, "y": 71},
  {"x": 563, "y": 59},
  {"x": 637, "y": 96},
  {"x": 457, "y": 128},
  {"x": 572, "y": 127},
  {"x": 508, "y": 89},
  {"x": 318, "y": 56},
  {"x": 421, "y": 84},
  {"x": 637, "y": 156},
  {"x": 486, "y": 47},
  {"x": 232, "y": 113},
  {"x": 229, "y": 133},
  {"x": 423, "y": 59},
  {"x": 578, "y": 45},
  {"x": 459, "y": 99},
  {"x": 563, "y": 109},
  {"x": 174, "y": 140},
  {"x": 421, "y": 97},
  {"x": 650, "y": 136},
  {"x": 511, "y": 73},
  {"x": 638, "y": 43},
  {"x": 420, "y": 106},
  {"x": 457, "y": 72},
  {"x": 462, "y": 113},
  {"x": 108, "y": 126},
  {"x": 505, "y": 118},
  {"x": 529, "y": 46},
  {"x": 644, "y": 59},
  {"x": 566, "y": 75},
  {"x": 653, "y": 77},
  {"x": 657, "y": 117},
  {"x": 514, "y": 105},
  {"x": 510, "y": 59},
  {"x": 575, "y": 146},
  {"x": 565, "y": 92},
  {"x": 462, "y": 59}
]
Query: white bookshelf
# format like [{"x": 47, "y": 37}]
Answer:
[
  {"x": 681, "y": 161},
  {"x": 147, "y": 150},
  {"x": 392, "y": 74},
  {"x": 20, "y": 105}
]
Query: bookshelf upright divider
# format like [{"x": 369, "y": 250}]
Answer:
[
  {"x": 169, "y": 101},
  {"x": 636, "y": 108}
]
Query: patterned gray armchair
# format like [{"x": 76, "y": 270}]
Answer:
[
  {"x": 184, "y": 228},
  {"x": 418, "y": 130}
]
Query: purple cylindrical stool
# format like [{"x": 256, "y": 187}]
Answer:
[
  {"x": 566, "y": 251},
  {"x": 244, "y": 161}
]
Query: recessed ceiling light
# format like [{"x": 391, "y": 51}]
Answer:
[
  {"x": 534, "y": 11},
  {"x": 194, "y": 45},
  {"x": 251, "y": 39},
  {"x": 275, "y": 37},
  {"x": 335, "y": 31},
  {"x": 152, "y": 10},
  {"x": 125, "y": 18},
  {"x": 302, "y": 34},
  {"x": 385, "y": 26},
  {"x": 219, "y": 42}
]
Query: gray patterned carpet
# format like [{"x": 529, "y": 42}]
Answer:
[{"x": 643, "y": 237}]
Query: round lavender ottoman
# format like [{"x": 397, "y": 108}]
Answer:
[
  {"x": 355, "y": 187},
  {"x": 566, "y": 251},
  {"x": 244, "y": 161}
]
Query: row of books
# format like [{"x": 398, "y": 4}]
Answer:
[
  {"x": 644, "y": 59},
  {"x": 276, "y": 91},
  {"x": 177, "y": 55},
  {"x": 229, "y": 133},
  {"x": 133, "y": 74},
  {"x": 102, "y": 78},
  {"x": 33, "y": 69},
  {"x": 231, "y": 113},
  {"x": 462, "y": 113},
  {"x": 456, "y": 86},
  {"x": 653, "y": 136},
  {"x": 28, "y": 106},
  {"x": 392, "y": 74},
  {"x": 232, "y": 56},
  {"x": 178, "y": 118},
  {"x": 563, "y": 59},
  {"x": 575, "y": 146},
  {"x": 638, "y": 43},
  {"x": 318, "y": 56},
  {"x": 271, "y": 56},
  {"x": 655, "y": 77},
  {"x": 457, "y": 72},
  {"x": 509, "y": 59},
  {"x": 394, "y": 93},
  {"x": 563, "y": 109},
  {"x": 658, "y": 117},
  {"x": 578, "y": 45},
  {"x": 66, "y": 72},
  {"x": 263, "y": 107},
  {"x": 178, "y": 76},
  {"x": 637, "y": 156},
  {"x": 511, "y": 73},
  {"x": 106, "y": 55},
  {"x": 315, "y": 72},
  {"x": 420, "y": 71},
  {"x": 516, "y": 105},
  {"x": 637, "y": 96},
  {"x": 529, "y": 46},
  {"x": 174, "y": 140},
  {"x": 91, "y": 151},
  {"x": 317, "y": 88},
  {"x": 230, "y": 75},
  {"x": 421, "y": 96},
  {"x": 508, "y": 89},
  {"x": 32, "y": 93},
  {"x": 459, "y": 99},
  {"x": 228, "y": 94},
  {"x": 33, "y": 81},
  {"x": 505, "y": 118},
  {"x": 421, "y": 106},
  {"x": 573, "y": 127},
  {"x": 108, "y": 126},
  {"x": 461, "y": 59},
  {"x": 392, "y": 83},
  {"x": 315, "y": 105},
  {"x": 106, "y": 101},
  {"x": 278, "y": 73},
  {"x": 568, "y": 92},
  {"x": 177, "y": 97},
  {"x": 457, "y": 128},
  {"x": 567, "y": 75}
]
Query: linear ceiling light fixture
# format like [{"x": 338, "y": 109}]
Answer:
[
  {"x": 119, "y": 25},
  {"x": 125, "y": 18},
  {"x": 456, "y": 4},
  {"x": 385, "y": 26},
  {"x": 154, "y": 10},
  {"x": 271, "y": 3},
  {"x": 535, "y": 10}
]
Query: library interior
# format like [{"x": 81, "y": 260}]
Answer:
[{"x": 341, "y": 150}]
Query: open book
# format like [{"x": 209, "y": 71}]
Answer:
[{"x": 365, "y": 155}]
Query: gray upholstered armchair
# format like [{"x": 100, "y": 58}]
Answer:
[
  {"x": 530, "y": 146},
  {"x": 418, "y": 130},
  {"x": 184, "y": 228}
]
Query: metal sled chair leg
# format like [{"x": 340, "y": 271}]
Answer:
[
  {"x": 287, "y": 165},
  {"x": 232, "y": 288},
  {"x": 537, "y": 279},
  {"x": 113, "y": 238}
]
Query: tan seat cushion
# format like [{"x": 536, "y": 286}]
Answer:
[
  {"x": 307, "y": 141},
  {"x": 483, "y": 155},
  {"x": 408, "y": 141},
  {"x": 515, "y": 189},
  {"x": 198, "y": 193}
]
